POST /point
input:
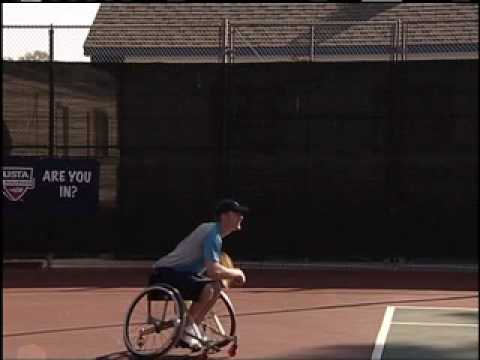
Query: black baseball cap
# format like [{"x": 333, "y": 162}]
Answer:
[{"x": 226, "y": 205}]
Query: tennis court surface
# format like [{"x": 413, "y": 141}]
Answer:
[
  {"x": 420, "y": 332},
  {"x": 302, "y": 314}
]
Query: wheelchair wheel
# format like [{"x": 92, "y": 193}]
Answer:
[
  {"x": 154, "y": 321},
  {"x": 219, "y": 325}
]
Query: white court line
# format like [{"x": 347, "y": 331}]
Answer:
[
  {"x": 436, "y": 308},
  {"x": 432, "y": 324},
  {"x": 382, "y": 334}
]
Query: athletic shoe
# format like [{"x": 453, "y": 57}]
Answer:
[
  {"x": 202, "y": 334},
  {"x": 188, "y": 338}
]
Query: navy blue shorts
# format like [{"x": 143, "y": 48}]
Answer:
[{"x": 189, "y": 284}]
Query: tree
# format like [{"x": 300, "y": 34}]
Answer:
[{"x": 36, "y": 55}]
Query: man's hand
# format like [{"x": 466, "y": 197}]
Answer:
[{"x": 240, "y": 278}]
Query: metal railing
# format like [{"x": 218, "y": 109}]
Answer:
[{"x": 241, "y": 43}]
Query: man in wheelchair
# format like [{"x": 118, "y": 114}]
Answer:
[{"x": 194, "y": 268}]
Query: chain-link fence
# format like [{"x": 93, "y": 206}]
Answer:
[
  {"x": 49, "y": 118},
  {"x": 439, "y": 40},
  {"x": 339, "y": 41},
  {"x": 242, "y": 43},
  {"x": 44, "y": 42},
  {"x": 347, "y": 143}
]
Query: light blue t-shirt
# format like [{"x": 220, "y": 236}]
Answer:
[{"x": 203, "y": 244}]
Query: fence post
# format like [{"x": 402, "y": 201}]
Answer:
[
  {"x": 51, "y": 125},
  {"x": 397, "y": 45},
  {"x": 225, "y": 41},
  {"x": 312, "y": 43},
  {"x": 231, "y": 54},
  {"x": 226, "y": 128},
  {"x": 392, "y": 43},
  {"x": 50, "y": 221}
]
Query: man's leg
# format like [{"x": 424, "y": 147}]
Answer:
[{"x": 207, "y": 299}]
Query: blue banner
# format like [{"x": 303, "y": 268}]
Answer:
[{"x": 45, "y": 186}]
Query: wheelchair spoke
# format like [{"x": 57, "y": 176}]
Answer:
[
  {"x": 219, "y": 324},
  {"x": 218, "y": 327}
]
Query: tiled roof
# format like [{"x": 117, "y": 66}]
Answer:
[{"x": 155, "y": 25}]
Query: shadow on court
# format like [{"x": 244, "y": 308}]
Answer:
[
  {"x": 125, "y": 355},
  {"x": 364, "y": 352},
  {"x": 341, "y": 352},
  {"x": 466, "y": 316}
]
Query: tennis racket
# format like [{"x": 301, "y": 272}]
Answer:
[{"x": 226, "y": 261}]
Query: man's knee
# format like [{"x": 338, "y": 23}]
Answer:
[{"x": 211, "y": 291}]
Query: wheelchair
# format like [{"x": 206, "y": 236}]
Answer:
[{"x": 156, "y": 319}]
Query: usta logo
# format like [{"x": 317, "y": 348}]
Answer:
[{"x": 17, "y": 180}]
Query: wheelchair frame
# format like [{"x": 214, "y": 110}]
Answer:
[{"x": 154, "y": 325}]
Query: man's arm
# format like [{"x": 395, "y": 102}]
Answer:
[
  {"x": 212, "y": 248},
  {"x": 216, "y": 271}
]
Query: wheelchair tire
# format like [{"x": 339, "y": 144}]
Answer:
[{"x": 154, "y": 325}]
